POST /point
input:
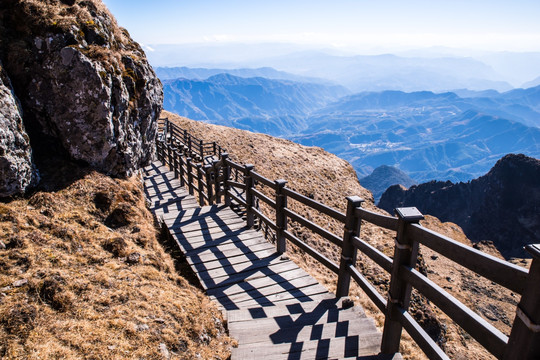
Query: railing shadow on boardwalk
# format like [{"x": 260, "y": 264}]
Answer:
[{"x": 219, "y": 178}]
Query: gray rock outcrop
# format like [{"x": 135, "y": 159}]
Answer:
[
  {"x": 16, "y": 168},
  {"x": 85, "y": 86},
  {"x": 501, "y": 206}
]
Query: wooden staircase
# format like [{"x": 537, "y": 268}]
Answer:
[{"x": 273, "y": 307}]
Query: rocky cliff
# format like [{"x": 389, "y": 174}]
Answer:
[
  {"x": 501, "y": 206},
  {"x": 16, "y": 168},
  {"x": 85, "y": 89}
]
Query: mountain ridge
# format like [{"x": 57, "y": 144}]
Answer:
[
  {"x": 500, "y": 206},
  {"x": 184, "y": 72},
  {"x": 276, "y": 107},
  {"x": 382, "y": 178}
]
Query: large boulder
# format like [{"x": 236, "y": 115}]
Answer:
[
  {"x": 16, "y": 168},
  {"x": 85, "y": 86}
]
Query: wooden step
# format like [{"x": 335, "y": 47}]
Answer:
[{"x": 274, "y": 309}]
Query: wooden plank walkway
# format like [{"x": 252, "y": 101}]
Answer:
[{"x": 274, "y": 308}]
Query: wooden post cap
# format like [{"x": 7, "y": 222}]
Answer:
[
  {"x": 281, "y": 182},
  {"x": 355, "y": 199},
  {"x": 409, "y": 214},
  {"x": 534, "y": 250}
]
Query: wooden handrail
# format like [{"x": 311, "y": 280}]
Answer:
[
  {"x": 339, "y": 216},
  {"x": 510, "y": 276},
  {"x": 314, "y": 227},
  {"x": 219, "y": 176},
  {"x": 485, "y": 333},
  {"x": 258, "y": 177},
  {"x": 311, "y": 251},
  {"x": 387, "y": 222}
]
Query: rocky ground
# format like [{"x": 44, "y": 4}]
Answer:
[{"x": 329, "y": 179}]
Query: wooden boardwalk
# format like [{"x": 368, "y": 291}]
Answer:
[{"x": 274, "y": 308}]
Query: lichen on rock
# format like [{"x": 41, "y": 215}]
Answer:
[
  {"x": 17, "y": 172},
  {"x": 85, "y": 86}
]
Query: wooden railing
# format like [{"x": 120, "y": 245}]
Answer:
[{"x": 206, "y": 169}]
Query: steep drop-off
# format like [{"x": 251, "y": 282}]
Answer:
[
  {"x": 85, "y": 87},
  {"x": 501, "y": 206}
]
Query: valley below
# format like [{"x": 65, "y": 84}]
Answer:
[{"x": 456, "y": 136}]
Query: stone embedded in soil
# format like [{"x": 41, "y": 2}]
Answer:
[
  {"x": 133, "y": 258},
  {"x": 142, "y": 327},
  {"x": 19, "y": 283},
  {"x": 164, "y": 351}
]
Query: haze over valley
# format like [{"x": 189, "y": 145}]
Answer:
[{"x": 430, "y": 135}]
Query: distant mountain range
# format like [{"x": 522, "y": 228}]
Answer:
[
  {"x": 434, "y": 69},
  {"x": 275, "y": 107},
  {"x": 391, "y": 72},
  {"x": 444, "y": 136},
  {"x": 501, "y": 206},
  {"x": 171, "y": 73},
  {"x": 427, "y": 135}
]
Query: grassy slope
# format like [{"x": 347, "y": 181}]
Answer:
[
  {"x": 84, "y": 276},
  {"x": 329, "y": 179}
]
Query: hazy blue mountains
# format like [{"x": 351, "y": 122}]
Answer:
[
  {"x": 275, "y": 107},
  {"x": 183, "y": 72},
  {"x": 427, "y": 135},
  {"x": 453, "y": 136},
  {"x": 392, "y": 72},
  {"x": 382, "y": 178}
]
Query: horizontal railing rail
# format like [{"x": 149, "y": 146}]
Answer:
[{"x": 204, "y": 167}]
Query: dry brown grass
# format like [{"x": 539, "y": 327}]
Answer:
[
  {"x": 63, "y": 15},
  {"x": 329, "y": 179},
  {"x": 85, "y": 19},
  {"x": 83, "y": 276}
]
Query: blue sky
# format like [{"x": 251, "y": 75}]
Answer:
[{"x": 345, "y": 24}]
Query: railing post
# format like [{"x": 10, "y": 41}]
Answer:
[
  {"x": 215, "y": 148},
  {"x": 248, "y": 181},
  {"x": 189, "y": 175},
  {"x": 201, "y": 150},
  {"x": 524, "y": 341},
  {"x": 281, "y": 218},
  {"x": 175, "y": 162},
  {"x": 216, "y": 181},
  {"x": 399, "y": 295},
  {"x": 208, "y": 174},
  {"x": 158, "y": 150},
  {"x": 169, "y": 154},
  {"x": 348, "y": 251},
  {"x": 165, "y": 129},
  {"x": 226, "y": 175},
  {"x": 181, "y": 170},
  {"x": 200, "y": 186}
]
